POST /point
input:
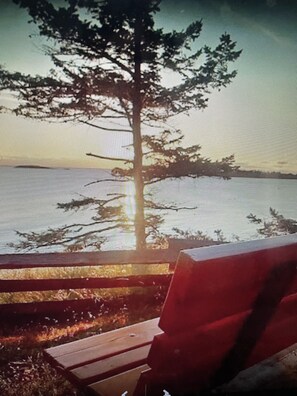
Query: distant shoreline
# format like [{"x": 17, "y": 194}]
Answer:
[
  {"x": 33, "y": 167},
  {"x": 256, "y": 174},
  {"x": 253, "y": 174}
]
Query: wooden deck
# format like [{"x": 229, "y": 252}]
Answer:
[{"x": 278, "y": 372}]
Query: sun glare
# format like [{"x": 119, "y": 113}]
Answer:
[{"x": 130, "y": 205}]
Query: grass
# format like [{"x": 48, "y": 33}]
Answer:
[
  {"x": 75, "y": 272},
  {"x": 32, "y": 376},
  {"x": 23, "y": 371}
]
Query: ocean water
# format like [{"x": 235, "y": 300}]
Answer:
[{"x": 28, "y": 199}]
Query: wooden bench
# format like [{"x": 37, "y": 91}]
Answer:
[{"x": 227, "y": 308}]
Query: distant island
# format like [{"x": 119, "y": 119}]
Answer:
[
  {"x": 254, "y": 174},
  {"x": 257, "y": 174},
  {"x": 33, "y": 166}
]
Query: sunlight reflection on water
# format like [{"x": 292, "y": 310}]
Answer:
[
  {"x": 28, "y": 199},
  {"x": 130, "y": 206}
]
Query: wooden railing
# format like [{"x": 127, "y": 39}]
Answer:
[
  {"x": 57, "y": 261},
  {"x": 13, "y": 262}
]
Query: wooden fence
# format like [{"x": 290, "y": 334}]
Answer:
[
  {"x": 64, "y": 260},
  {"x": 84, "y": 259}
]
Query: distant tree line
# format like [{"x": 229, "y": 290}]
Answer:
[{"x": 255, "y": 174}]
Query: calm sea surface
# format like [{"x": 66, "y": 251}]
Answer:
[{"x": 28, "y": 199}]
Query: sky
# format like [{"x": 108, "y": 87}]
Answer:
[{"x": 254, "y": 118}]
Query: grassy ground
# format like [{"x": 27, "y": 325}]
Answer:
[{"x": 24, "y": 372}]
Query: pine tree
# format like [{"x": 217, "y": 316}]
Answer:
[
  {"x": 276, "y": 225},
  {"x": 109, "y": 63}
]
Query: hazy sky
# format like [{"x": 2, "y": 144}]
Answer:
[{"x": 255, "y": 117}]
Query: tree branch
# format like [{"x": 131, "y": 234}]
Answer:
[
  {"x": 109, "y": 158},
  {"x": 69, "y": 239},
  {"x": 107, "y": 180},
  {"x": 120, "y": 64},
  {"x": 103, "y": 128},
  {"x": 74, "y": 225},
  {"x": 153, "y": 205}
]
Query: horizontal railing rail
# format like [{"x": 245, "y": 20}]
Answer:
[
  {"x": 115, "y": 257},
  {"x": 104, "y": 259},
  {"x": 25, "y": 285}
]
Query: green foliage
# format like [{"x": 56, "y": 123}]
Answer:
[
  {"x": 94, "y": 54},
  {"x": 166, "y": 158},
  {"x": 276, "y": 225},
  {"x": 192, "y": 235},
  {"x": 109, "y": 62},
  {"x": 200, "y": 236},
  {"x": 69, "y": 237}
]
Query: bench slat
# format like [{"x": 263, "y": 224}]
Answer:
[
  {"x": 118, "y": 384},
  {"x": 216, "y": 287},
  {"x": 99, "y": 370},
  {"x": 104, "y": 345}
]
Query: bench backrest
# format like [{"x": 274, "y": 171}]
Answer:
[{"x": 227, "y": 307}]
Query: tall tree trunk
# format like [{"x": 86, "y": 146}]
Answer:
[{"x": 137, "y": 141}]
